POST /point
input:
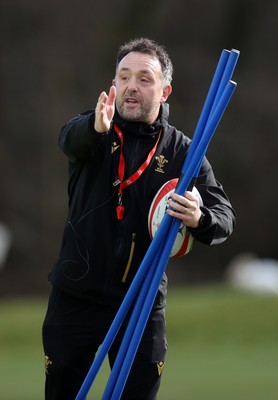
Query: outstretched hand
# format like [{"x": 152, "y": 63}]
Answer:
[{"x": 104, "y": 111}]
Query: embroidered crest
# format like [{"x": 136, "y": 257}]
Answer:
[{"x": 161, "y": 162}]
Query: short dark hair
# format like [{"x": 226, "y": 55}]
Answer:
[{"x": 148, "y": 46}]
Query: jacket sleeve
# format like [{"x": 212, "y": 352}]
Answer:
[
  {"x": 219, "y": 218},
  {"x": 78, "y": 139}
]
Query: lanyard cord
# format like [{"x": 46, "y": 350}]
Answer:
[{"x": 121, "y": 171}]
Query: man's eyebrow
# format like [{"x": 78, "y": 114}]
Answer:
[
  {"x": 142, "y": 71},
  {"x": 124, "y": 69}
]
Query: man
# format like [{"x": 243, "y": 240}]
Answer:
[{"x": 114, "y": 173}]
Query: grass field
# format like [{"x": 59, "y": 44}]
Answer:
[{"x": 222, "y": 345}]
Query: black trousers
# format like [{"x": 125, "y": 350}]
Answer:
[{"x": 74, "y": 329}]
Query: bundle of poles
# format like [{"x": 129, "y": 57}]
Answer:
[{"x": 145, "y": 285}]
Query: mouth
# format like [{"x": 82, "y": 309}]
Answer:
[{"x": 131, "y": 101}]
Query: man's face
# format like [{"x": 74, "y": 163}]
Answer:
[{"x": 140, "y": 88}]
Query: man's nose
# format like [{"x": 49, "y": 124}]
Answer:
[{"x": 132, "y": 84}]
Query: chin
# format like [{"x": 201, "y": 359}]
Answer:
[{"x": 132, "y": 116}]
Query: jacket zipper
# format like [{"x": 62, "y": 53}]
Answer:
[{"x": 127, "y": 268}]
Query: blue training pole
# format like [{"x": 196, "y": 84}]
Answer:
[
  {"x": 231, "y": 61},
  {"x": 166, "y": 250},
  {"x": 226, "y": 77},
  {"x": 146, "y": 263},
  {"x": 121, "y": 314},
  {"x": 130, "y": 329},
  {"x": 207, "y": 105},
  {"x": 222, "y": 76}
]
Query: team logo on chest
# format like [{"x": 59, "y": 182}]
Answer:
[{"x": 161, "y": 162}]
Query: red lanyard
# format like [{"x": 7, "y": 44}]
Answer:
[{"x": 121, "y": 171}]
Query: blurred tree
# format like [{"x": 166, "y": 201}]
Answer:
[{"x": 56, "y": 57}]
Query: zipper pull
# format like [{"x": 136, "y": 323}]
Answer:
[{"x": 117, "y": 182}]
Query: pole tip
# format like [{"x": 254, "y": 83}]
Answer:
[{"x": 236, "y": 51}]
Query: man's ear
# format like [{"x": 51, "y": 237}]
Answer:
[
  {"x": 113, "y": 82},
  {"x": 167, "y": 90}
]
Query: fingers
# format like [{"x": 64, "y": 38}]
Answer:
[
  {"x": 104, "y": 110},
  {"x": 107, "y": 100},
  {"x": 99, "y": 123},
  {"x": 101, "y": 103},
  {"x": 112, "y": 95},
  {"x": 181, "y": 207},
  {"x": 186, "y": 208},
  {"x": 189, "y": 195},
  {"x": 189, "y": 200}
]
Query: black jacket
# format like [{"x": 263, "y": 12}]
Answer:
[{"x": 96, "y": 246}]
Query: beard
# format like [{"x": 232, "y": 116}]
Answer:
[{"x": 142, "y": 113}]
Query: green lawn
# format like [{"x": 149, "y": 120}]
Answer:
[{"x": 222, "y": 346}]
